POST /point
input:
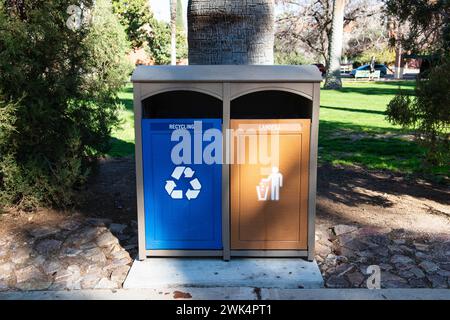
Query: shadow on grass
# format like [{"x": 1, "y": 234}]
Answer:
[
  {"x": 372, "y": 147},
  {"x": 121, "y": 148},
  {"x": 354, "y": 110},
  {"x": 373, "y": 91},
  {"x": 128, "y": 103}
]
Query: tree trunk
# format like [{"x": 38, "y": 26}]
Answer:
[
  {"x": 173, "y": 27},
  {"x": 231, "y": 31},
  {"x": 333, "y": 78}
]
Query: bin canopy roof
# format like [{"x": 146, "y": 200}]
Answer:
[{"x": 227, "y": 73}]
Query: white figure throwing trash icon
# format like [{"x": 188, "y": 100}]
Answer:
[{"x": 275, "y": 179}]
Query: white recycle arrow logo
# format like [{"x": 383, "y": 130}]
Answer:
[{"x": 194, "y": 183}]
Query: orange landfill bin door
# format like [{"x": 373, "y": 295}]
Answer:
[{"x": 269, "y": 184}]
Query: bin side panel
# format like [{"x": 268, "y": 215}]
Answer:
[
  {"x": 269, "y": 209},
  {"x": 176, "y": 215}
]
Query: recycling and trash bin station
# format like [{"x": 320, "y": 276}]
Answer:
[{"x": 226, "y": 160}]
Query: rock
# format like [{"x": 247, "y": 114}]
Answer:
[
  {"x": 71, "y": 252},
  {"x": 346, "y": 238},
  {"x": 421, "y": 246},
  {"x": 417, "y": 272},
  {"x": 122, "y": 254},
  {"x": 83, "y": 236},
  {"x": 52, "y": 267},
  {"x": 379, "y": 239},
  {"x": 89, "y": 281},
  {"x": 405, "y": 274},
  {"x": 406, "y": 249},
  {"x": 421, "y": 255},
  {"x": 117, "y": 228},
  {"x": 347, "y": 252},
  {"x": 74, "y": 269},
  {"x": 388, "y": 276},
  {"x": 355, "y": 278},
  {"x": 68, "y": 279},
  {"x": 31, "y": 278},
  {"x": 20, "y": 255},
  {"x": 381, "y": 251},
  {"x": 417, "y": 283},
  {"x": 356, "y": 245},
  {"x": 48, "y": 246},
  {"x": 330, "y": 260},
  {"x": 95, "y": 255},
  {"x": 99, "y": 222},
  {"x": 62, "y": 275},
  {"x": 106, "y": 239},
  {"x": 437, "y": 281},
  {"x": 343, "y": 269},
  {"x": 365, "y": 253},
  {"x": 428, "y": 266},
  {"x": 394, "y": 249},
  {"x": 3, "y": 285},
  {"x": 3, "y": 252},
  {"x": 106, "y": 284},
  {"x": 70, "y": 225},
  {"x": 445, "y": 265},
  {"x": 34, "y": 284},
  {"x": 6, "y": 270},
  {"x": 401, "y": 261},
  {"x": 443, "y": 273},
  {"x": 343, "y": 228},
  {"x": 386, "y": 267},
  {"x": 44, "y": 232},
  {"x": 119, "y": 274},
  {"x": 395, "y": 284},
  {"x": 38, "y": 260},
  {"x": 399, "y": 241},
  {"x": 336, "y": 282},
  {"x": 120, "y": 262}
]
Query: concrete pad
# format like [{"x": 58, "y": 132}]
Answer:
[
  {"x": 356, "y": 294},
  {"x": 213, "y": 272},
  {"x": 135, "y": 294},
  {"x": 232, "y": 293}
]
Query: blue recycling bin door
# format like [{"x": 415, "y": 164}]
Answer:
[{"x": 182, "y": 201}]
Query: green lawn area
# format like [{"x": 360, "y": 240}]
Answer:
[{"x": 353, "y": 128}]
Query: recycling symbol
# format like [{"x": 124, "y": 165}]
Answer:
[{"x": 194, "y": 188}]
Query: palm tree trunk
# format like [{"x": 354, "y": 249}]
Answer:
[
  {"x": 333, "y": 77},
  {"x": 230, "y": 31},
  {"x": 173, "y": 27}
]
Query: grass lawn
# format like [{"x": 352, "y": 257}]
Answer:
[{"x": 353, "y": 128}]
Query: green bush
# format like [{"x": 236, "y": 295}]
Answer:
[
  {"x": 58, "y": 99},
  {"x": 290, "y": 58},
  {"x": 135, "y": 16},
  {"x": 159, "y": 45},
  {"x": 428, "y": 113}
]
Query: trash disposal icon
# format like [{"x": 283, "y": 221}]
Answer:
[{"x": 194, "y": 185}]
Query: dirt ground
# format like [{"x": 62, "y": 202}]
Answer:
[{"x": 363, "y": 217}]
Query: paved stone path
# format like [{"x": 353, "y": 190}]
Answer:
[
  {"x": 344, "y": 253},
  {"x": 97, "y": 254},
  {"x": 74, "y": 255}
]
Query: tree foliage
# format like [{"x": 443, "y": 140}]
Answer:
[
  {"x": 428, "y": 24},
  {"x": 307, "y": 25},
  {"x": 57, "y": 98},
  {"x": 428, "y": 113},
  {"x": 159, "y": 44},
  {"x": 135, "y": 16}
]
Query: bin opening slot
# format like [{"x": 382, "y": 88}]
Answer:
[
  {"x": 181, "y": 104},
  {"x": 271, "y": 104}
]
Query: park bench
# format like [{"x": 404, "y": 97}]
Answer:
[{"x": 367, "y": 74}]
